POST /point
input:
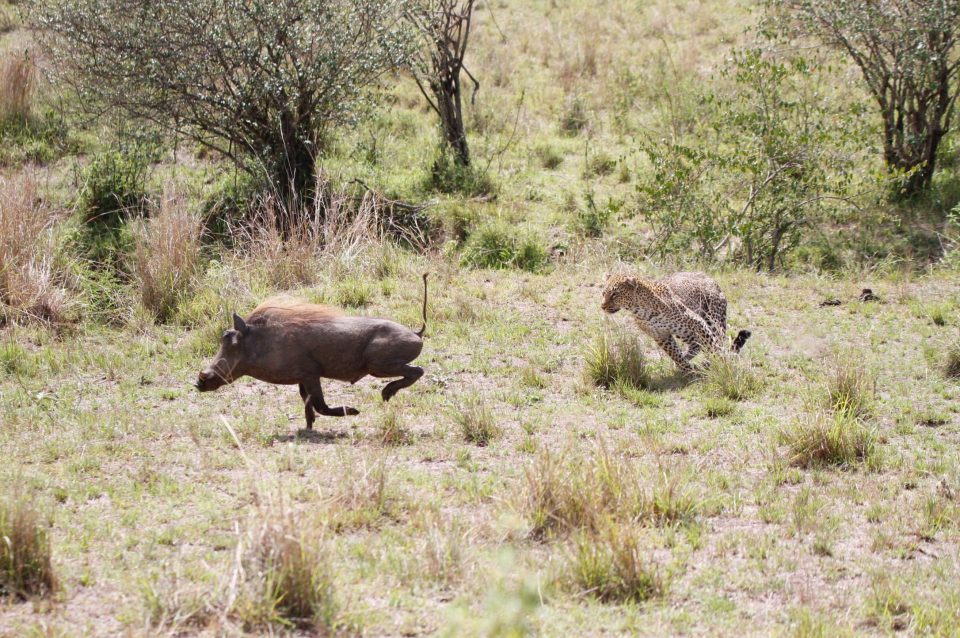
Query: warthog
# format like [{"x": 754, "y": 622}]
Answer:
[{"x": 288, "y": 342}]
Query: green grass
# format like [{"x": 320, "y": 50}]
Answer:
[{"x": 551, "y": 473}]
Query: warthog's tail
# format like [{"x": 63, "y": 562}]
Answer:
[
  {"x": 740, "y": 339},
  {"x": 424, "y": 327}
]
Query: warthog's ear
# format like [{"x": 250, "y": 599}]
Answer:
[{"x": 240, "y": 325}]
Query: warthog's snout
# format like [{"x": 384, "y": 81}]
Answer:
[{"x": 208, "y": 380}]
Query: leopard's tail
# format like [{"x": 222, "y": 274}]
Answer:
[{"x": 740, "y": 339}]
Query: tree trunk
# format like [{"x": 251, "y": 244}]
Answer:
[
  {"x": 449, "y": 103},
  {"x": 294, "y": 178}
]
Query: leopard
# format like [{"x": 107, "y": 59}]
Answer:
[{"x": 685, "y": 305}]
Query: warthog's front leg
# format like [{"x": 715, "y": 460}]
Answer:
[{"x": 314, "y": 400}]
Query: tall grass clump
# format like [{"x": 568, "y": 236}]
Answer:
[
  {"x": 31, "y": 285},
  {"x": 166, "y": 257},
  {"x": 830, "y": 439},
  {"x": 951, "y": 364},
  {"x": 850, "y": 388},
  {"x": 615, "y": 360},
  {"x": 612, "y": 567},
  {"x": 497, "y": 245},
  {"x": 18, "y": 82},
  {"x": 567, "y": 493},
  {"x": 26, "y": 568},
  {"x": 729, "y": 376},
  {"x": 283, "y": 575},
  {"x": 477, "y": 422}
]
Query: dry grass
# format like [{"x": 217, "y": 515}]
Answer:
[
  {"x": 166, "y": 256},
  {"x": 850, "y": 388},
  {"x": 830, "y": 439},
  {"x": 586, "y": 492},
  {"x": 951, "y": 363},
  {"x": 729, "y": 376},
  {"x": 281, "y": 576},
  {"x": 290, "y": 242},
  {"x": 391, "y": 429},
  {"x": 26, "y": 569},
  {"x": 18, "y": 83},
  {"x": 616, "y": 359},
  {"x": 476, "y": 421},
  {"x": 613, "y": 567},
  {"x": 30, "y": 285}
]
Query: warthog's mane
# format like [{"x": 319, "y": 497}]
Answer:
[{"x": 291, "y": 310}]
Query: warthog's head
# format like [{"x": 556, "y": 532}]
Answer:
[{"x": 226, "y": 366}]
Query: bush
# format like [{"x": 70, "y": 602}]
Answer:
[
  {"x": 30, "y": 285},
  {"x": 592, "y": 219},
  {"x": 26, "y": 569},
  {"x": 477, "y": 422},
  {"x": 166, "y": 256},
  {"x": 499, "y": 246},
  {"x": 549, "y": 156},
  {"x": 616, "y": 359},
  {"x": 114, "y": 186},
  {"x": 823, "y": 439},
  {"x": 449, "y": 176}
]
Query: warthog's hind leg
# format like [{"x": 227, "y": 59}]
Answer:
[{"x": 409, "y": 373}]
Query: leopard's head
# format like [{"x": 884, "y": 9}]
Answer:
[{"x": 624, "y": 291}]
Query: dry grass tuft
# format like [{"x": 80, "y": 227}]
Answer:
[
  {"x": 951, "y": 364},
  {"x": 290, "y": 242},
  {"x": 282, "y": 575},
  {"x": 616, "y": 360},
  {"x": 30, "y": 286},
  {"x": 851, "y": 388},
  {"x": 362, "y": 497},
  {"x": 729, "y": 376},
  {"x": 585, "y": 493},
  {"x": 391, "y": 430},
  {"x": 18, "y": 83},
  {"x": 166, "y": 255},
  {"x": 26, "y": 569},
  {"x": 477, "y": 422},
  {"x": 612, "y": 567},
  {"x": 831, "y": 439}
]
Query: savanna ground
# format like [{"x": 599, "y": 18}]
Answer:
[{"x": 505, "y": 493}]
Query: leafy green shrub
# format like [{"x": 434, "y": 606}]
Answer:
[
  {"x": 26, "y": 569},
  {"x": 458, "y": 221},
  {"x": 497, "y": 245},
  {"x": 616, "y": 359},
  {"x": 592, "y": 218},
  {"x": 773, "y": 174},
  {"x": 229, "y": 201},
  {"x": 449, "y": 176},
  {"x": 114, "y": 184}
]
